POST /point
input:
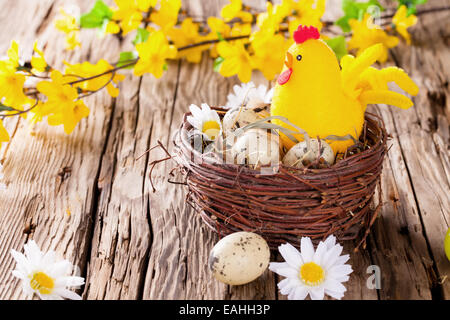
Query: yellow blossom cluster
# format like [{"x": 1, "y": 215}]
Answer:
[
  {"x": 67, "y": 24},
  {"x": 56, "y": 96},
  {"x": 239, "y": 40}
]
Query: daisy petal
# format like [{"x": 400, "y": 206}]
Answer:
[
  {"x": 60, "y": 268},
  {"x": 287, "y": 272},
  {"x": 33, "y": 252},
  {"x": 18, "y": 274},
  {"x": 274, "y": 266},
  {"x": 195, "y": 111},
  {"x": 307, "y": 249},
  {"x": 269, "y": 95},
  {"x": 291, "y": 255},
  {"x": 333, "y": 294},
  {"x": 334, "y": 285},
  {"x": 330, "y": 241},
  {"x": 342, "y": 259},
  {"x": 67, "y": 294},
  {"x": 21, "y": 261},
  {"x": 205, "y": 107},
  {"x": 300, "y": 293},
  {"x": 317, "y": 293},
  {"x": 331, "y": 256},
  {"x": 320, "y": 252},
  {"x": 192, "y": 121},
  {"x": 287, "y": 285},
  {"x": 342, "y": 278},
  {"x": 340, "y": 270}
]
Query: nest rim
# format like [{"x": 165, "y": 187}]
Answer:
[{"x": 232, "y": 198}]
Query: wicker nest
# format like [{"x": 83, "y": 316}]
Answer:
[{"x": 292, "y": 202}]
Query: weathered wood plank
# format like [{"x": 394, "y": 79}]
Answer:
[
  {"x": 57, "y": 206},
  {"x": 397, "y": 243},
  {"x": 423, "y": 134},
  {"x": 187, "y": 262}
]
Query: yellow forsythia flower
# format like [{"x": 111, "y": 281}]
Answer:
[
  {"x": 167, "y": 15},
  {"x": 62, "y": 106},
  {"x": 236, "y": 61},
  {"x": 72, "y": 41},
  {"x": 307, "y": 12},
  {"x": 153, "y": 54},
  {"x": 112, "y": 27},
  {"x": 269, "y": 21},
  {"x": 4, "y": 136},
  {"x": 241, "y": 29},
  {"x": 11, "y": 82},
  {"x": 68, "y": 24},
  {"x": 38, "y": 63},
  {"x": 402, "y": 22},
  {"x": 234, "y": 10},
  {"x": 266, "y": 59},
  {"x": 129, "y": 13},
  {"x": 87, "y": 70},
  {"x": 217, "y": 26},
  {"x": 186, "y": 35},
  {"x": 366, "y": 33}
]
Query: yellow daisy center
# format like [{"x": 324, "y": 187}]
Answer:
[
  {"x": 312, "y": 274},
  {"x": 211, "y": 129},
  {"x": 42, "y": 283}
]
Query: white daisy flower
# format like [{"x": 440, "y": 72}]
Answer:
[
  {"x": 206, "y": 121},
  {"x": 246, "y": 92},
  {"x": 43, "y": 275},
  {"x": 312, "y": 272}
]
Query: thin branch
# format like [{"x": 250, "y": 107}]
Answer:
[
  {"x": 19, "y": 112},
  {"x": 105, "y": 73}
]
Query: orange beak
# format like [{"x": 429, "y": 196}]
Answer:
[
  {"x": 288, "y": 61},
  {"x": 286, "y": 75}
]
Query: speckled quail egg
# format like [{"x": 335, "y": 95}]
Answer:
[
  {"x": 299, "y": 154},
  {"x": 241, "y": 116},
  {"x": 256, "y": 147},
  {"x": 239, "y": 258}
]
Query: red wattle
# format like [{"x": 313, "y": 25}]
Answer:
[{"x": 285, "y": 76}]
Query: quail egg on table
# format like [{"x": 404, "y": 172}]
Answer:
[
  {"x": 299, "y": 154},
  {"x": 239, "y": 258},
  {"x": 256, "y": 147}
]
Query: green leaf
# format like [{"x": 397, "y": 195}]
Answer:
[
  {"x": 355, "y": 10},
  {"x": 217, "y": 63},
  {"x": 338, "y": 45},
  {"x": 125, "y": 58},
  {"x": 219, "y": 36},
  {"x": 411, "y": 5},
  {"x": 5, "y": 108},
  {"x": 96, "y": 17},
  {"x": 141, "y": 36}
]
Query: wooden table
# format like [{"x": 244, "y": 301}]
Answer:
[{"x": 85, "y": 196}]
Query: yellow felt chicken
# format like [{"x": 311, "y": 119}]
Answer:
[{"x": 317, "y": 96}]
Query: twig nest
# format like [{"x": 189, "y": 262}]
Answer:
[
  {"x": 241, "y": 116},
  {"x": 239, "y": 258},
  {"x": 256, "y": 147},
  {"x": 299, "y": 155}
]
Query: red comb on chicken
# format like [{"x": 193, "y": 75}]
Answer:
[{"x": 304, "y": 33}]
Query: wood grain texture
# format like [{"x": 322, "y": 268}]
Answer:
[
  {"x": 55, "y": 206},
  {"x": 132, "y": 243}
]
